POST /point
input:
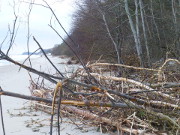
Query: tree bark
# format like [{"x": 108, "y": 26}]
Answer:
[
  {"x": 155, "y": 24},
  {"x": 144, "y": 32},
  {"x": 138, "y": 46},
  {"x": 114, "y": 43}
]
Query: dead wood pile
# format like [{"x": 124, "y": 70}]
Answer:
[{"x": 126, "y": 99}]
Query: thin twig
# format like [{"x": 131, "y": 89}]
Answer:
[
  {"x": 3, "y": 40},
  {"x": 59, "y": 109},
  {"x": 47, "y": 56},
  {"x": 2, "y": 118},
  {"x": 72, "y": 49},
  {"x": 74, "y": 52},
  {"x": 93, "y": 87},
  {"x": 13, "y": 33},
  {"x": 28, "y": 29},
  {"x": 28, "y": 57}
]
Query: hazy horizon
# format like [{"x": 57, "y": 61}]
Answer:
[{"x": 39, "y": 19}]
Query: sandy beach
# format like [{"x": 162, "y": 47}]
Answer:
[{"x": 18, "y": 118}]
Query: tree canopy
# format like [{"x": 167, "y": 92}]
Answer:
[{"x": 124, "y": 31}]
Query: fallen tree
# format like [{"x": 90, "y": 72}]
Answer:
[{"x": 111, "y": 96}]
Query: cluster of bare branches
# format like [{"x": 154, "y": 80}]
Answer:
[
  {"x": 144, "y": 101},
  {"x": 139, "y": 101},
  {"x": 130, "y": 105}
]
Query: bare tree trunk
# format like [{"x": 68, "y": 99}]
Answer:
[
  {"x": 176, "y": 47},
  {"x": 174, "y": 12},
  {"x": 119, "y": 33},
  {"x": 137, "y": 23},
  {"x": 138, "y": 47},
  {"x": 109, "y": 33},
  {"x": 174, "y": 15},
  {"x": 148, "y": 31},
  {"x": 161, "y": 9},
  {"x": 152, "y": 13},
  {"x": 28, "y": 30},
  {"x": 144, "y": 32}
]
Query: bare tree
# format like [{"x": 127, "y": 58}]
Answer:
[
  {"x": 155, "y": 24},
  {"x": 115, "y": 44},
  {"x": 144, "y": 32},
  {"x": 134, "y": 31},
  {"x": 28, "y": 28},
  {"x": 110, "y": 36},
  {"x": 176, "y": 28},
  {"x": 174, "y": 15},
  {"x": 13, "y": 32}
]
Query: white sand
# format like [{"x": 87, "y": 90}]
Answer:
[{"x": 14, "y": 81}]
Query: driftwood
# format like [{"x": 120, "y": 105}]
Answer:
[
  {"x": 65, "y": 102},
  {"x": 135, "y": 83},
  {"x": 165, "y": 85},
  {"x": 85, "y": 114},
  {"x": 132, "y": 105},
  {"x": 122, "y": 65},
  {"x": 93, "y": 87},
  {"x": 107, "y": 94},
  {"x": 96, "y": 118}
]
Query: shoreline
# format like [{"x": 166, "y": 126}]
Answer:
[{"x": 16, "y": 119}]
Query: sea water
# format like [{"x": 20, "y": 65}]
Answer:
[{"x": 17, "y": 58}]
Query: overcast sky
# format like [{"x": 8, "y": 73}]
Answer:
[{"x": 39, "y": 19}]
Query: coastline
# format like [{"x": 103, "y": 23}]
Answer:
[{"x": 17, "y": 115}]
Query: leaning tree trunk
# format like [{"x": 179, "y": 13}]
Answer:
[
  {"x": 114, "y": 43},
  {"x": 155, "y": 24},
  {"x": 176, "y": 48},
  {"x": 144, "y": 32},
  {"x": 138, "y": 46}
]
